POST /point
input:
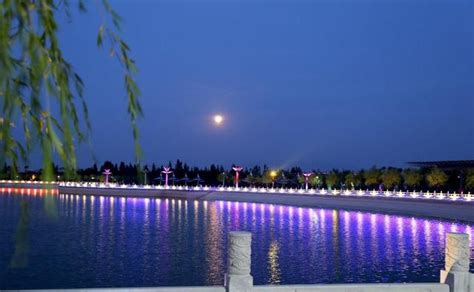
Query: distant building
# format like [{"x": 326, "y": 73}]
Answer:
[{"x": 459, "y": 165}]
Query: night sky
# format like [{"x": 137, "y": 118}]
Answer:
[{"x": 320, "y": 84}]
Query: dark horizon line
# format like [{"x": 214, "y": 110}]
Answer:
[{"x": 419, "y": 164}]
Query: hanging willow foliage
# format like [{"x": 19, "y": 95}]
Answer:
[{"x": 39, "y": 89}]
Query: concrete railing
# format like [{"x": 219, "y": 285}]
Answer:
[
  {"x": 456, "y": 208},
  {"x": 456, "y": 273},
  {"x": 238, "y": 276},
  {"x": 454, "y": 278},
  {"x": 463, "y": 197},
  {"x": 467, "y": 197}
]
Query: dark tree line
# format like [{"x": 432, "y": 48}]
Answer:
[{"x": 384, "y": 178}]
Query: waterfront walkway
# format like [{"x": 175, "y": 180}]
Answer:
[
  {"x": 445, "y": 206},
  {"x": 445, "y": 209}
]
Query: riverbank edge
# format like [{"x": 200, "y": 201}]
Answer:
[{"x": 442, "y": 209}]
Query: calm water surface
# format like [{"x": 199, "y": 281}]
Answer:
[{"x": 119, "y": 242}]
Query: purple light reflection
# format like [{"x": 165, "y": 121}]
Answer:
[{"x": 159, "y": 242}]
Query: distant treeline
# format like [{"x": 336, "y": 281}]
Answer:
[{"x": 374, "y": 178}]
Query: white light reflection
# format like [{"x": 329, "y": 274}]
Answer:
[{"x": 454, "y": 228}]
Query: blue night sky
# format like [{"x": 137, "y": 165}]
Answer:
[{"x": 321, "y": 84}]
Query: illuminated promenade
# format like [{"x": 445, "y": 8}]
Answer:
[{"x": 451, "y": 206}]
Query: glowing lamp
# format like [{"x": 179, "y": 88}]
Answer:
[
  {"x": 107, "y": 173},
  {"x": 166, "y": 171},
  {"x": 237, "y": 170},
  {"x": 306, "y": 178}
]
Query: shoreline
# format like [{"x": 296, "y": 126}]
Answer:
[
  {"x": 442, "y": 209},
  {"x": 417, "y": 207}
]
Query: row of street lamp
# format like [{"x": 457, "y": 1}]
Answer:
[{"x": 167, "y": 170}]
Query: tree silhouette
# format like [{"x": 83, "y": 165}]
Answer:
[{"x": 436, "y": 178}]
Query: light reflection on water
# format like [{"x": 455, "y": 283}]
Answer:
[{"x": 123, "y": 242}]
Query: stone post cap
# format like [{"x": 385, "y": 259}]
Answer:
[
  {"x": 240, "y": 234},
  {"x": 458, "y": 234},
  {"x": 458, "y": 252}
]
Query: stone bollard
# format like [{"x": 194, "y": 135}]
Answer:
[
  {"x": 238, "y": 278},
  {"x": 456, "y": 273}
]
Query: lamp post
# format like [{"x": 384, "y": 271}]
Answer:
[
  {"x": 306, "y": 178},
  {"x": 223, "y": 178},
  {"x": 107, "y": 172},
  {"x": 186, "y": 179},
  {"x": 273, "y": 174},
  {"x": 166, "y": 171},
  {"x": 460, "y": 176},
  {"x": 237, "y": 169},
  {"x": 198, "y": 180},
  {"x": 145, "y": 173}
]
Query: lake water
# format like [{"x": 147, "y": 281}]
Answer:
[{"x": 71, "y": 241}]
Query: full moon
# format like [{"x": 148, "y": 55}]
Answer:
[{"x": 218, "y": 119}]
